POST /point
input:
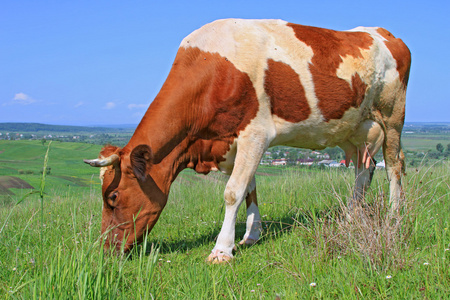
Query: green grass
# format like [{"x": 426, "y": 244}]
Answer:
[
  {"x": 65, "y": 162},
  {"x": 293, "y": 252},
  {"x": 424, "y": 142}
]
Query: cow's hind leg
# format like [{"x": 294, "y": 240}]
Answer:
[
  {"x": 394, "y": 159},
  {"x": 249, "y": 153},
  {"x": 253, "y": 227},
  {"x": 363, "y": 178},
  {"x": 362, "y": 147}
]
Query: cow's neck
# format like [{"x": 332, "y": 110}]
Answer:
[
  {"x": 165, "y": 128},
  {"x": 175, "y": 125},
  {"x": 177, "y": 143}
]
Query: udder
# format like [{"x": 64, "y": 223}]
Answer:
[{"x": 363, "y": 144}]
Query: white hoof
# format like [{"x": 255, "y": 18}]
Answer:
[{"x": 219, "y": 257}]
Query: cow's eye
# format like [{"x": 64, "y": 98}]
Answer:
[{"x": 112, "y": 198}]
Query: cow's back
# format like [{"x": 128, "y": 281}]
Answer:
[{"x": 314, "y": 86}]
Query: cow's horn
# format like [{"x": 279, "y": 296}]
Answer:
[{"x": 103, "y": 162}]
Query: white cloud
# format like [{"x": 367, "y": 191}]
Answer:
[
  {"x": 109, "y": 105},
  {"x": 136, "y": 106},
  {"x": 78, "y": 104},
  {"x": 22, "y": 98}
]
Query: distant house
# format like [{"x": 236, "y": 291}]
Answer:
[
  {"x": 324, "y": 156},
  {"x": 329, "y": 163},
  {"x": 334, "y": 164},
  {"x": 350, "y": 164},
  {"x": 265, "y": 162},
  {"x": 279, "y": 162},
  {"x": 305, "y": 161},
  {"x": 318, "y": 154}
]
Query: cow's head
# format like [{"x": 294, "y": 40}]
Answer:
[{"x": 132, "y": 200}]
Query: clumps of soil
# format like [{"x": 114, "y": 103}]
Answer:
[{"x": 11, "y": 182}]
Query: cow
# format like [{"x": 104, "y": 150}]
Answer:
[{"x": 238, "y": 87}]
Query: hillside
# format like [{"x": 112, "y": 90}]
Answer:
[
  {"x": 38, "y": 128},
  {"x": 22, "y": 161}
]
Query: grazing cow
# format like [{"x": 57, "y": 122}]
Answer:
[{"x": 237, "y": 87}]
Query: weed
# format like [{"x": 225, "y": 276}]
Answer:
[{"x": 370, "y": 230}]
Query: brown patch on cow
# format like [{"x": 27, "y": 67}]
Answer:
[
  {"x": 335, "y": 95},
  {"x": 223, "y": 103},
  {"x": 287, "y": 95},
  {"x": 400, "y": 52},
  {"x": 329, "y": 45},
  {"x": 225, "y": 97}
]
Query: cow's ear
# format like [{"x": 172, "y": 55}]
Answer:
[{"x": 141, "y": 158}]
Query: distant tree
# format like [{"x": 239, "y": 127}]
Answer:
[
  {"x": 433, "y": 154},
  {"x": 334, "y": 153},
  {"x": 275, "y": 155},
  {"x": 292, "y": 157},
  {"x": 420, "y": 154},
  {"x": 448, "y": 147},
  {"x": 300, "y": 155},
  {"x": 440, "y": 147},
  {"x": 43, "y": 141}
]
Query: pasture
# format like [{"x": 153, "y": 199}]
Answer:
[{"x": 304, "y": 252}]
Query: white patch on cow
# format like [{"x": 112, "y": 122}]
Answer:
[
  {"x": 226, "y": 166},
  {"x": 225, "y": 240},
  {"x": 385, "y": 65},
  {"x": 364, "y": 67}
]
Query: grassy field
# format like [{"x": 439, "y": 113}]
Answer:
[
  {"x": 303, "y": 254},
  {"x": 424, "y": 142}
]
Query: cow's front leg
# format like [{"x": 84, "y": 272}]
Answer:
[
  {"x": 247, "y": 159},
  {"x": 253, "y": 227},
  {"x": 234, "y": 195}
]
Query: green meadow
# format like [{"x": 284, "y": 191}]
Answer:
[
  {"x": 308, "y": 250},
  {"x": 424, "y": 142}
]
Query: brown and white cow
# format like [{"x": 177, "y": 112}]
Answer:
[{"x": 237, "y": 87}]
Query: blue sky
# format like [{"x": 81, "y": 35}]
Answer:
[{"x": 103, "y": 62}]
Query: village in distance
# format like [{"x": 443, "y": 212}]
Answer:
[{"x": 423, "y": 143}]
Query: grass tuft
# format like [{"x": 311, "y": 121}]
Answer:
[{"x": 379, "y": 237}]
